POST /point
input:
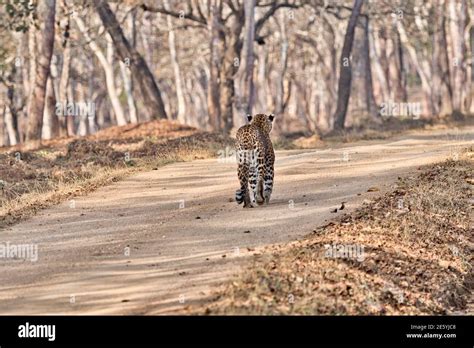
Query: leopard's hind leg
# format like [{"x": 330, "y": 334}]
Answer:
[
  {"x": 253, "y": 178},
  {"x": 268, "y": 181},
  {"x": 260, "y": 199},
  {"x": 260, "y": 180},
  {"x": 242, "y": 194}
]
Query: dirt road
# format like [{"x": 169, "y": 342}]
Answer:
[{"x": 161, "y": 240}]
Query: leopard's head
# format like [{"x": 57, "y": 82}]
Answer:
[{"x": 262, "y": 121}]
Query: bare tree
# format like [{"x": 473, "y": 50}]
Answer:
[
  {"x": 44, "y": 43},
  {"x": 226, "y": 48},
  {"x": 220, "y": 59},
  {"x": 50, "y": 118},
  {"x": 422, "y": 66},
  {"x": 153, "y": 104},
  {"x": 345, "y": 74},
  {"x": 106, "y": 61},
  {"x": 216, "y": 48},
  {"x": 457, "y": 10},
  {"x": 362, "y": 105},
  {"x": 249, "y": 63},
  {"x": 127, "y": 81},
  {"x": 181, "y": 116}
]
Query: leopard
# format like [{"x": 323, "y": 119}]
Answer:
[{"x": 256, "y": 159}]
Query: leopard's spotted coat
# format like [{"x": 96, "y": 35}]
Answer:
[{"x": 255, "y": 158}]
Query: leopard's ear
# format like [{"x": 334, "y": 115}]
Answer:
[
  {"x": 271, "y": 117},
  {"x": 249, "y": 117}
]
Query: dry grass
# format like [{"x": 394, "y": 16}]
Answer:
[
  {"x": 408, "y": 252},
  {"x": 369, "y": 131},
  {"x": 39, "y": 197},
  {"x": 395, "y": 126}
]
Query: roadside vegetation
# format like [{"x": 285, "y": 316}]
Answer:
[
  {"x": 65, "y": 168},
  {"x": 407, "y": 252}
]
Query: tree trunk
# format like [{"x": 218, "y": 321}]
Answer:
[
  {"x": 396, "y": 69},
  {"x": 345, "y": 73},
  {"x": 67, "y": 123},
  {"x": 50, "y": 118},
  {"x": 11, "y": 111},
  {"x": 152, "y": 102},
  {"x": 328, "y": 103},
  {"x": 422, "y": 67},
  {"x": 111, "y": 84},
  {"x": 215, "y": 64},
  {"x": 125, "y": 72},
  {"x": 457, "y": 10},
  {"x": 440, "y": 61},
  {"x": 58, "y": 120},
  {"x": 81, "y": 97},
  {"x": 181, "y": 116},
  {"x": 230, "y": 67},
  {"x": 3, "y": 134},
  {"x": 11, "y": 126},
  {"x": 127, "y": 82},
  {"x": 280, "y": 82},
  {"x": 280, "y": 97},
  {"x": 107, "y": 65},
  {"x": 378, "y": 49},
  {"x": 249, "y": 63},
  {"x": 361, "y": 102},
  {"x": 262, "y": 91},
  {"x": 461, "y": 85},
  {"x": 32, "y": 48},
  {"x": 91, "y": 96},
  {"x": 44, "y": 43},
  {"x": 71, "y": 98}
]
